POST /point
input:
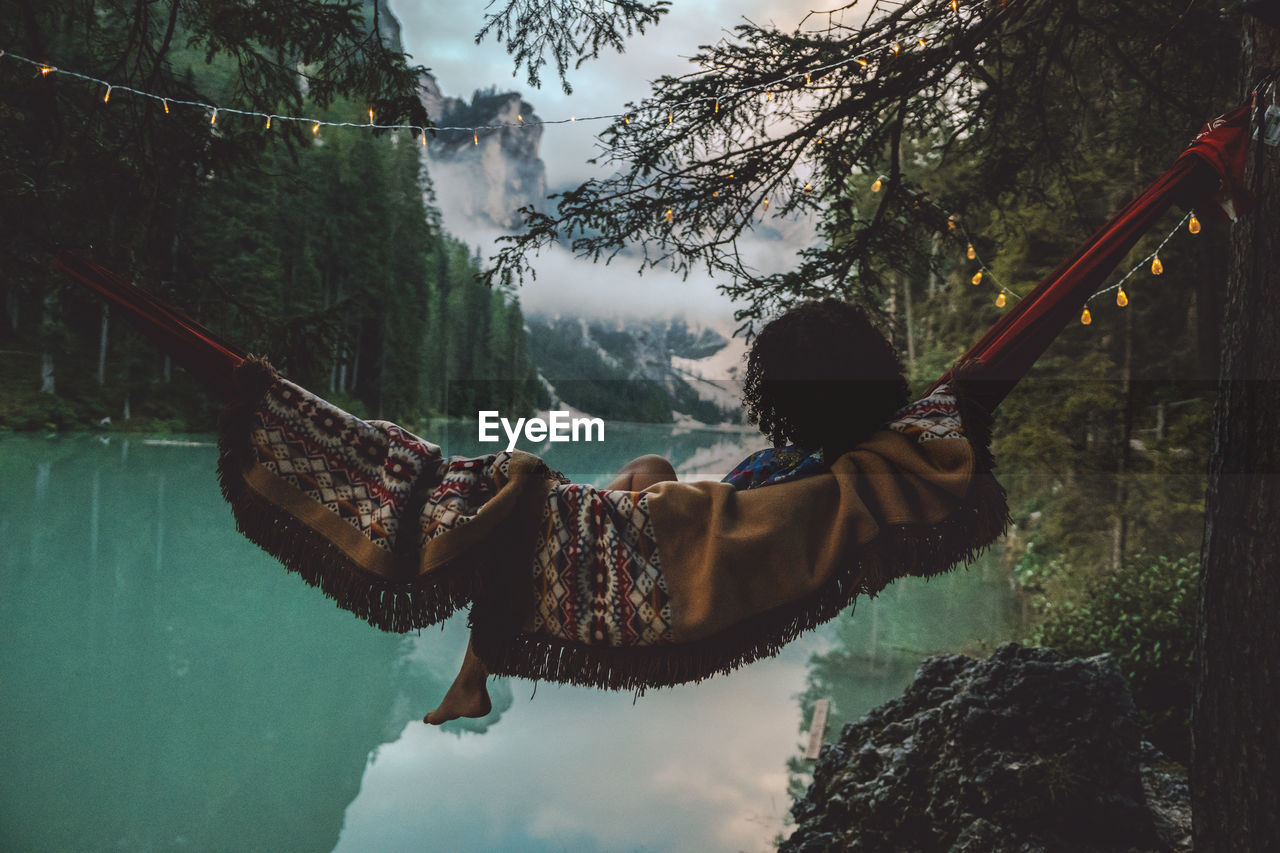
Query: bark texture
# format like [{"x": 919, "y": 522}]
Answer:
[{"x": 1236, "y": 752}]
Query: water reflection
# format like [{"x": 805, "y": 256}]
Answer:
[
  {"x": 872, "y": 656},
  {"x": 167, "y": 685}
]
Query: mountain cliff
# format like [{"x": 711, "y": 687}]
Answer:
[
  {"x": 492, "y": 169},
  {"x": 656, "y": 370}
]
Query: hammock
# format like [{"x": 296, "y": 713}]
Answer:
[{"x": 622, "y": 589}]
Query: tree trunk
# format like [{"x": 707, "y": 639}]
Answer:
[
  {"x": 102, "y": 345},
  {"x": 1120, "y": 529},
  {"x": 1235, "y": 783}
]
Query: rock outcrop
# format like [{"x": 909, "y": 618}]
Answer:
[{"x": 1024, "y": 751}]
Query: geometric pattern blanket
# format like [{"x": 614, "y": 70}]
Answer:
[{"x": 572, "y": 583}]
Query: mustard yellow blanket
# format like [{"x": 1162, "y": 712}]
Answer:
[{"x": 608, "y": 588}]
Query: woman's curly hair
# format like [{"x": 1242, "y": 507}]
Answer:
[{"x": 822, "y": 376}]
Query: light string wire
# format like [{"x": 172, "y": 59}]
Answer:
[
  {"x": 953, "y": 222},
  {"x": 667, "y": 108},
  {"x": 985, "y": 273}
]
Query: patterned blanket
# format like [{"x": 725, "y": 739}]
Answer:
[{"x": 572, "y": 583}]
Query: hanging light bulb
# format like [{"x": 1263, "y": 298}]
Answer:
[
  {"x": 370, "y": 115},
  {"x": 766, "y": 204},
  {"x": 1000, "y": 301},
  {"x": 268, "y": 122},
  {"x": 863, "y": 63},
  {"x": 951, "y": 223},
  {"x": 626, "y": 119},
  {"x": 423, "y": 136},
  {"x": 715, "y": 193},
  {"x": 475, "y": 138},
  {"x": 971, "y": 253},
  {"x": 717, "y": 107},
  {"x": 670, "y": 214},
  {"x": 977, "y": 278},
  {"x": 670, "y": 117},
  {"x": 107, "y": 97},
  {"x": 520, "y": 118},
  {"x": 213, "y": 119},
  {"x": 897, "y": 48},
  {"x": 955, "y": 6},
  {"x": 808, "y": 187},
  {"x": 315, "y": 129},
  {"x": 1085, "y": 317},
  {"x": 1157, "y": 268},
  {"x": 46, "y": 70},
  {"x": 806, "y": 79},
  {"x": 879, "y": 182},
  {"x": 1193, "y": 224},
  {"x": 768, "y": 96},
  {"x": 920, "y": 41},
  {"x": 1121, "y": 299}
]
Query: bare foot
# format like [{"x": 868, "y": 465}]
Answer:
[
  {"x": 461, "y": 701},
  {"x": 468, "y": 696}
]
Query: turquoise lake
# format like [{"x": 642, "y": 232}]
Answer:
[{"x": 167, "y": 686}]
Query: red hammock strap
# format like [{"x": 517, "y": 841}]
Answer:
[
  {"x": 211, "y": 359},
  {"x": 992, "y": 366}
]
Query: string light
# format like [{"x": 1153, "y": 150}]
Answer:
[
  {"x": 862, "y": 62},
  {"x": 475, "y": 138},
  {"x": 955, "y": 6},
  {"x": 1085, "y": 317}
]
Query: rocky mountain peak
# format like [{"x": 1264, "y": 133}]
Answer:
[{"x": 490, "y": 168}]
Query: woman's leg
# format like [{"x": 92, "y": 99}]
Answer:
[
  {"x": 642, "y": 472},
  {"x": 467, "y": 696}
]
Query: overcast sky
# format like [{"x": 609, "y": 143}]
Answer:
[{"x": 441, "y": 35}]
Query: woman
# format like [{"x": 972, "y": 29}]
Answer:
[{"x": 820, "y": 380}]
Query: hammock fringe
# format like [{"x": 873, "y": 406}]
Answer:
[
  {"x": 904, "y": 550},
  {"x": 397, "y": 606}
]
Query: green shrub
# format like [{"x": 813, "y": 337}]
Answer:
[{"x": 1144, "y": 615}]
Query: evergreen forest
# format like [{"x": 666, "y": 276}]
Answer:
[{"x": 320, "y": 250}]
